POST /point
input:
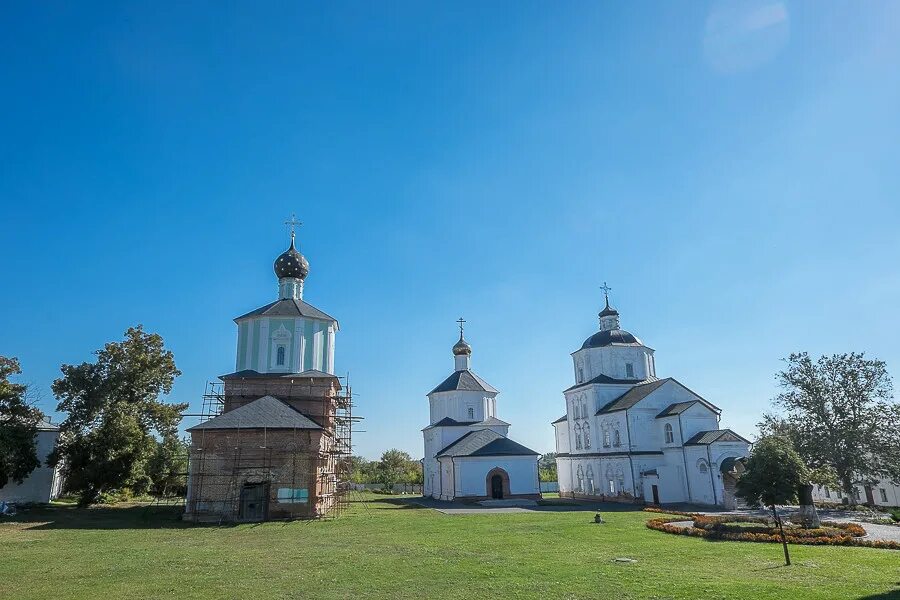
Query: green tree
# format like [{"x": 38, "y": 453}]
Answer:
[
  {"x": 361, "y": 470},
  {"x": 774, "y": 472},
  {"x": 167, "y": 467},
  {"x": 392, "y": 467},
  {"x": 547, "y": 467},
  {"x": 18, "y": 426},
  {"x": 116, "y": 415},
  {"x": 839, "y": 414}
]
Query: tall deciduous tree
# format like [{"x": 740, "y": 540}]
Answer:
[
  {"x": 839, "y": 414},
  {"x": 115, "y": 414},
  {"x": 396, "y": 467},
  {"x": 774, "y": 472},
  {"x": 18, "y": 426}
]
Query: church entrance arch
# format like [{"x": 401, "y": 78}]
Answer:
[{"x": 497, "y": 483}]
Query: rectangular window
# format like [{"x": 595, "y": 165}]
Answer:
[
  {"x": 293, "y": 496},
  {"x": 883, "y": 493},
  {"x": 471, "y": 413},
  {"x": 827, "y": 493},
  {"x": 612, "y": 487},
  {"x": 629, "y": 370},
  {"x": 856, "y": 493}
]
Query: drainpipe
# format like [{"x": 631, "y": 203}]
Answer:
[
  {"x": 712, "y": 480},
  {"x": 630, "y": 461},
  {"x": 687, "y": 477}
]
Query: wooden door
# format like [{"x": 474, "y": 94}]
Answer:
[{"x": 254, "y": 501}]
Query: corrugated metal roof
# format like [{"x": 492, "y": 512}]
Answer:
[
  {"x": 704, "y": 438},
  {"x": 464, "y": 380},
  {"x": 288, "y": 307},
  {"x": 485, "y": 442},
  {"x": 632, "y": 396},
  {"x": 266, "y": 412}
]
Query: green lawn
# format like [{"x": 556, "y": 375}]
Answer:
[{"x": 383, "y": 550}]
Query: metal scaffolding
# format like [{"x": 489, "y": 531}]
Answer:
[{"x": 254, "y": 474}]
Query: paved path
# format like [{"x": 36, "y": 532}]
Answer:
[{"x": 455, "y": 508}]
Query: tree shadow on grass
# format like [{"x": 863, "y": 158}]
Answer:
[
  {"x": 100, "y": 517},
  {"x": 894, "y": 595}
]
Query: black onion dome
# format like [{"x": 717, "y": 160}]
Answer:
[
  {"x": 611, "y": 336},
  {"x": 291, "y": 264},
  {"x": 462, "y": 347},
  {"x": 609, "y": 311}
]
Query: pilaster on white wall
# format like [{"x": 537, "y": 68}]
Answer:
[
  {"x": 263, "y": 345},
  {"x": 317, "y": 346},
  {"x": 329, "y": 366},
  {"x": 296, "y": 345}
]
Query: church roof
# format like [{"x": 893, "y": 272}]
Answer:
[
  {"x": 679, "y": 407},
  {"x": 288, "y": 307},
  {"x": 633, "y": 396},
  {"x": 608, "y": 380},
  {"x": 561, "y": 419},
  {"x": 251, "y": 374},
  {"x": 485, "y": 442},
  {"x": 704, "y": 438},
  {"x": 266, "y": 412},
  {"x": 608, "y": 337},
  {"x": 448, "y": 422},
  {"x": 465, "y": 381}
]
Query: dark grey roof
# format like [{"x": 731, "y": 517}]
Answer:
[
  {"x": 485, "y": 442},
  {"x": 464, "y": 380},
  {"x": 609, "y": 454},
  {"x": 251, "y": 374},
  {"x": 288, "y": 307},
  {"x": 448, "y": 422},
  {"x": 562, "y": 419},
  {"x": 609, "y": 380},
  {"x": 632, "y": 396},
  {"x": 679, "y": 407},
  {"x": 608, "y": 311},
  {"x": 611, "y": 336},
  {"x": 266, "y": 412},
  {"x": 704, "y": 438}
]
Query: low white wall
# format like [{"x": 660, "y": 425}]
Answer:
[{"x": 471, "y": 474}]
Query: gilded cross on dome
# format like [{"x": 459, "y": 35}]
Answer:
[
  {"x": 606, "y": 290},
  {"x": 293, "y": 222},
  {"x": 461, "y": 322}
]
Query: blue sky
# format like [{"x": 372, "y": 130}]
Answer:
[{"x": 730, "y": 169}]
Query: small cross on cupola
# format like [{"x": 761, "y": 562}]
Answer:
[
  {"x": 291, "y": 268},
  {"x": 462, "y": 351},
  {"x": 609, "y": 316}
]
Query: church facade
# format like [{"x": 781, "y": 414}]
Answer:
[
  {"x": 280, "y": 446},
  {"x": 628, "y": 435},
  {"x": 468, "y": 455}
]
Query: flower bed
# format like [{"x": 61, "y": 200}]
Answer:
[{"x": 729, "y": 528}]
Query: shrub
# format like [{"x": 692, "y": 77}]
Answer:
[{"x": 895, "y": 515}]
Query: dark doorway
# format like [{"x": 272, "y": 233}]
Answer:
[
  {"x": 497, "y": 487},
  {"x": 655, "y": 494},
  {"x": 254, "y": 501}
]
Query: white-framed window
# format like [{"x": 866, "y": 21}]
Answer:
[
  {"x": 580, "y": 374},
  {"x": 827, "y": 493},
  {"x": 883, "y": 493},
  {"x": 612, "y": 487},
  {"x": 584, "y": 412},
  {"x": 670, "y": 436},
  {"x": 629, "y": 370},
  {"x": 587, "y": 436},
  {"x": 702, "y": 466},
  {"x": 577, "y": 436},
  {"x": 606, "y": 438},
  {"x": 279, "y": 356},
  {"x": 617, "y": 439},
  {"x": 471, "y": 413}
]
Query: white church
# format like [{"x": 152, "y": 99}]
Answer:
[
  {"x": 467, "y": 454},
  {"x": 630, "y": 436}
]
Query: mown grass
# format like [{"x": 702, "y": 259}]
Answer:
[{"x": 382, "y": 549}]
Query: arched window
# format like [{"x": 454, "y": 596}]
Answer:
[
  {"x": 618, "y": 439},
  {"x": 580, "y": 476},
  {"x": 590, "y": 479},
  {"x": 577, "y": 436},
  {"x": 471, "y": 413},
  {"x": 670, "y": 437},
  {"x": 279, "y": 356},
  {"x": 575, "y": 409},
  {"x": 587, "y": 436},
  {"x": 629, "y": 370},
  {"x": 584, "y": 412},
  {"x": 702, "y": 466},
  {"x": 606, "y": 438}
]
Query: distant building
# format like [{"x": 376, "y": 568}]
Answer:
[
  {"x": 44, "y": 483},
  {"x": 467, "y": 453},
  {"x": 883, "y": 493},
  {"x": 280, "y": 448},
  {"x": 628, "y": 435}
]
